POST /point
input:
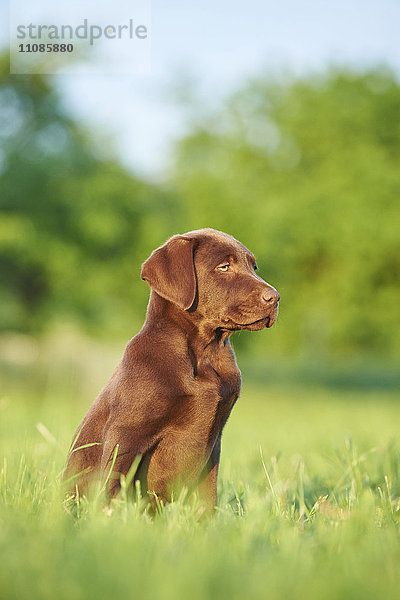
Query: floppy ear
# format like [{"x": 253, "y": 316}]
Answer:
[{"x": 169, "y": 270}]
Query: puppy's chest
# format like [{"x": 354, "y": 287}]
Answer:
[{"x": 220, "y": 381}]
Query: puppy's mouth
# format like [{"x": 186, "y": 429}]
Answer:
[{"x": 267, "y": 322}]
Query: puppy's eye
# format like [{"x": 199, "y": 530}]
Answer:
[
  {"x": 255, "y": 266},
  {"x": 224, "y": 267}
]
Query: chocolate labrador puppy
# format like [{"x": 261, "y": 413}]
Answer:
[{"x": 170, "y": 396}]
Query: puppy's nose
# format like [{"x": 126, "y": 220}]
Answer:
[{"x": 271, "y": 296}]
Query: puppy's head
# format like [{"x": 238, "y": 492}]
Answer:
[{"x": 210, "y": 273}]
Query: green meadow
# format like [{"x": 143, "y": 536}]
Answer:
[{"x": 309, "y": 496}]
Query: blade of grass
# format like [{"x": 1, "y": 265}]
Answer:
[
  {"x": 276, "y": 499},
  {"x": 104, "y": 486}
]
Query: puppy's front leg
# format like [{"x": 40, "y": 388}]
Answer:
[
  {"x": 207, "y": 487},
  {"x": 182, "y": 462}
]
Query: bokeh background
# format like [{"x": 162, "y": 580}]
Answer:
[
  {"x": 278, "y": 123},
  {"x": 281, "y": 128}
]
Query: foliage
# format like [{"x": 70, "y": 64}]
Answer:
[
  {"x": 307, "y": 174},
  {"x": 74, "y": 228}
]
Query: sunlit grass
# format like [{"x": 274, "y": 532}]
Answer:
[{"x": 309, "y": 506}]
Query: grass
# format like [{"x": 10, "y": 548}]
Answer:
[{"x": 309, "y": 503}]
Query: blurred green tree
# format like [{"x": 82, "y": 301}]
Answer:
[
  {"x": 307, "y": 174},
  {"x": 74, "y": 228}
]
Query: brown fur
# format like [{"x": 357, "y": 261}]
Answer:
[{"x": 171, "y": 395}]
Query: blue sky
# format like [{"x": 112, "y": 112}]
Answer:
[{"x": 218, "y": 45}]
